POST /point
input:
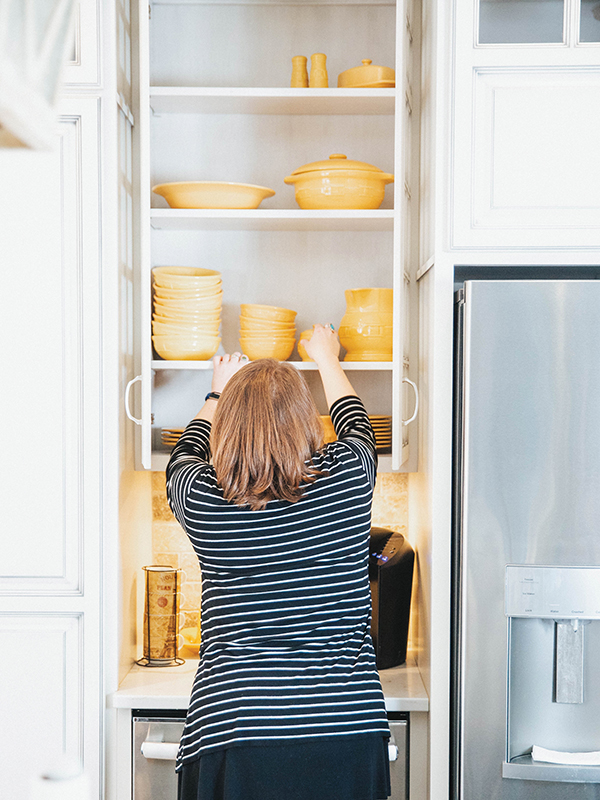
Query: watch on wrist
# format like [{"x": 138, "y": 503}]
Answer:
[{"x": 212, "y": 396}]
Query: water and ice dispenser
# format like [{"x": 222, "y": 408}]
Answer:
[{"x": 553, "y": 673}]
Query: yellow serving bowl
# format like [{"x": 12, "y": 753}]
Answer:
[
  {"x": 339, "y": 184},
  {"x": 256, "y": 348},
  {"x": 188, "y": 294},
  {"x": 212, "y": 194},
  {"x": 368, "y": 76},
  {"x": 182, "y": 277},
  {"x": 266, "y": 336},
  {"x": 371, "y": 343},
  {"x": 258, "y": 311},
  {"x": 186, "y": 348}
]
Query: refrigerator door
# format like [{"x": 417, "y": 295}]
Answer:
[{"x": 528, "y": 476}]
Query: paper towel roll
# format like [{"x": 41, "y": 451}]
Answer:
[
  {"x": 584, "y": 759},
  {"x": 163, "y": 750}
]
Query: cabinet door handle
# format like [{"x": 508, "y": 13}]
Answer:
[
  {"x": 127, "y": 392},
  {"x": 416, "y": 411},
  {"x": 166, "y": 751}
]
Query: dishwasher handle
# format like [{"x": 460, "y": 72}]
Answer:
[{"x": 166, "y": 751}]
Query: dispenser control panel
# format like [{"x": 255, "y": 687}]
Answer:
[{"x": 552, "y": 592}]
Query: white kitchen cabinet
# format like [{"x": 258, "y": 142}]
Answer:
[
  {"x": 525, "y": 161},
  {"x": 214, "y": 104},
  {"x": 50, "y": 482},
  {"x": 83, "y": 67}
]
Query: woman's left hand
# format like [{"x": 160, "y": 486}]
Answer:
[{"x": 224, "y": 367}]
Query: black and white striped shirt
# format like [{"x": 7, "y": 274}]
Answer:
[{"x": 286, "y": 651}]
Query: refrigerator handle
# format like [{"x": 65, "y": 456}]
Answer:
[{"x": 416, "y": 411}]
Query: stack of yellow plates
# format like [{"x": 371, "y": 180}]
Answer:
[
  {"x": 382, "y": 426},
  {"x": 170, "y": 436},
  {"x": 187, "y": 312},
  {"x": 267, "y": 331}
]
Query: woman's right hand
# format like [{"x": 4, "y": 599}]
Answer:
[
  {"x": 324, "y": 344},
  {"x": 224, "y": 367}
]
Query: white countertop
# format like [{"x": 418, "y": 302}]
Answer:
[{"x": 170, "y": 687}]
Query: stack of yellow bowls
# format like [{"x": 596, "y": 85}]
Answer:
[
  {"x": 187, "y": 312},
  {"x": 366, "y": 327},
  {"x": 267, "y": 331}
]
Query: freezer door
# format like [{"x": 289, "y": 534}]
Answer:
[
  {"x": 155, "y": 742},
  {"x": 529, "y": 494}
]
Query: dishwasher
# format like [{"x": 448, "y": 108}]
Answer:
[{"x": 156, "y": 738}]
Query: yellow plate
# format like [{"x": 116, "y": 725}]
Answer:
[{"x": 212, "y": 194}]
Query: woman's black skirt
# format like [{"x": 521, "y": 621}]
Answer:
[{"x": 336, "y": 768}]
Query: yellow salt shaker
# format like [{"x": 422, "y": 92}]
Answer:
[
  {"x": 318, "y": 71},
  {"x": 299, "y": 72}
]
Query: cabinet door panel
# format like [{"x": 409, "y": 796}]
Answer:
[
  {"x": 83, "y": 65},
  {"x": 530, "y": 173},
  {"x": 52, "y": 325},
  {"x": 40, "y": 695}
]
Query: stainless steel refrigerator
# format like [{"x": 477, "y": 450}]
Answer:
[{"x": 526, "y": 541}]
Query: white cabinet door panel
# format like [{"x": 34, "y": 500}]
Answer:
[
  {"x": 83, "y": 60},
  {"x": 527, "y": 168},
  {"x": 52, "y": 324},
  {"x": 41, "y": 696}
]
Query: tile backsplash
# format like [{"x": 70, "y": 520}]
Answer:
[{"x": 171, "y": 546}]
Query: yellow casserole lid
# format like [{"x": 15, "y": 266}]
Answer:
[{"x": 334, "y": 162}]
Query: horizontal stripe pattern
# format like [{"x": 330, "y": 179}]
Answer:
[{"x": 286, "y": 648}]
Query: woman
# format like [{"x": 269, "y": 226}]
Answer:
[{"x": 287, "y": 700}]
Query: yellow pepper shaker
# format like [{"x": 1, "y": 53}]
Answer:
[
  {"x": 299, "y": 72},
  {"x": 318, "y": 71}
]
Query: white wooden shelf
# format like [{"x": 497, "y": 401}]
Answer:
[
  {"x": 236, "y": 100},
  {"x": 173, "y": 219},
  {"x": 365, "y": 366}
]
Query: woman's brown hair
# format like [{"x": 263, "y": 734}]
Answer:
[{"x": 265, "y": 430}]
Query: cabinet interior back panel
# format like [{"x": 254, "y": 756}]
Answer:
[
  {"x": 264, "y": 149},
  {"x": 189, "y": 49},
  {"x": 178, "y": 395},
  {"x": 306, "y": 271}
]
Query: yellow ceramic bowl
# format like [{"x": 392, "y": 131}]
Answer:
[
  {"x": 372, "y": 343},
  {"x": 194, "y": 304},
  {"x": 212, "y": 194},
  {"x": 254, "y": 311},
  {"x": 210, "y": 317},
  {"x": 301, "y": 351},
  {"x": 183, "y": 320},
  {"x": 267, "y": 326},
  {"x": 273, "y": 349},
  {"x": 369, "y": 76},
  {"x": 265, "y": 336},
  {"x": 175, "y": 329},
  {"x": 181, "y": 277},
  {"x": 370, "y": 299},
  {"x": 187, "y": 294},
  {"x": 186, "y": 348},
  {"x": 339, "y": 184}
]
